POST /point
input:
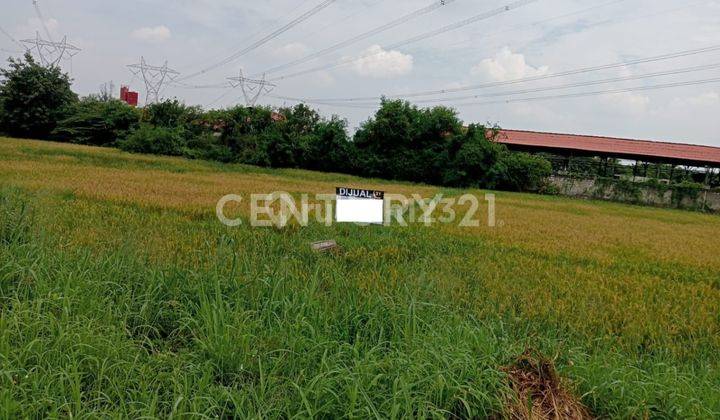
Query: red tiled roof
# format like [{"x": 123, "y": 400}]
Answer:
[{"x": 613, "y": 146}]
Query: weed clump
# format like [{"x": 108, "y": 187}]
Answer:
[{"x": 539, "y": 391}]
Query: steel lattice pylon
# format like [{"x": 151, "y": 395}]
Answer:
[
  {"x": 50, "y": 52},
  {"x": 252, "y": 89},
  {"x": 154, "y": 77}
]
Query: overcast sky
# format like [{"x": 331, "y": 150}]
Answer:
[{"x": 540, "y": 38}]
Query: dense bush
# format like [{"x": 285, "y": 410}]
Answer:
[
  {"x": 207, "y": 146},
  {"x": 155, "y": 140},
  {"x": 404, "y": 142},
  {"x": 522, "y": 172},
  {"x": 472, "y": 159},
  {"x": 329, "y": 148},
  {"x": 33, "y": 98},
  {"x": 170, "y": 114},
  {"x": 97, "y": 122}
]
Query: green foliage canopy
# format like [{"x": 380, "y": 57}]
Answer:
[
  {"x": 97, "y": 122},
  {"x": 33, "y": 98}
]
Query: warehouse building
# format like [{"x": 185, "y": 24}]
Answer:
[{"x": 617, "y": 156}]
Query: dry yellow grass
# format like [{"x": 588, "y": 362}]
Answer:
[{"x": 544, "y": 224}]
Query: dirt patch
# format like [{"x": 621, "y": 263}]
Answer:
[{"x": 539, "y": 392}]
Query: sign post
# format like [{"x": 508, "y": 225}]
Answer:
[{"x": 359, "y": 206}]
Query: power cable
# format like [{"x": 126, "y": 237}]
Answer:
[
  {"x": 372, "y": 32},
  {"x": 579, "y": 84},
  {"x": 423, "y": 36},
  {"x": 42, "y": 20},
  {"x": 600, "y": 92},
  {"x": 530, "y": 99},
  {"x": 446, "y": 52},
  {"x": 305, "y": 16},
  {"x": 216, "y": 100},
  {"x": 473, "y": 37},
  {"x": 335, "y": 22},
  {"x": 206, "y": 86},
  {"x": 15, "y": 41},
  {"x": 674, "y": 55},
  {"x": 254, "y": 35}
]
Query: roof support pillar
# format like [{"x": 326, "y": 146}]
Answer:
[{"x": 707, "y": 175}]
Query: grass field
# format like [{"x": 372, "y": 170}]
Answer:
[{"x": 122, "y": 295}]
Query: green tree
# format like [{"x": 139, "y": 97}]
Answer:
[
  {"x": 241, "y": 128},
  {"x": 33, "y": 98},
  {"x": 170, "y": 113},
  {"x": 404, "y": 142},
  {"x": 328, "y": 148},
  {"x": 472, "y": 159}
]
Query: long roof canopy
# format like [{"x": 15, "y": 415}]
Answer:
[{"x": 643, "y": 150}]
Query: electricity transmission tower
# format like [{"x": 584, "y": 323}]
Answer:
[
  {"x": 50, "y": 52},
  {"x": 252, "y": 89},
  {"x": 155, "y": 77}
]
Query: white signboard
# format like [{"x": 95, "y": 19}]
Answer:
[{"x": 359, "y": 206}]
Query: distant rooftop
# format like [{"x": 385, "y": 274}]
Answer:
[{"x": 643, "y": 150}]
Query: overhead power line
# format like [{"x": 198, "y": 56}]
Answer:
[
  {"x": 184, "y": 85},
  {"x": 42, "y": 20},
  {"x": 599, "y": 92},
  {"x": 582, "y": 70},
  {"x": 579, "y": 84},
  {"x": 474, "y": 38},
  {"x": 372, "y": 32},
  {"x": 248, "y": 39},
  {"x": 216, "y": 100},
  {"x": 423, "y": 36},
  {"x": 12, "y": 38},
  {"x": 319, "y": 102},
  {"x": 339, "y": 21},
  {"x": 10, "y": 51},
  {"x": 608, "y": 21},
  {"x": 530, "y": 99},
  {"x": 257, "y": 44}
]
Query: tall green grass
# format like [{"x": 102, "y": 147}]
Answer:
[{"x": 251, "y": 323}]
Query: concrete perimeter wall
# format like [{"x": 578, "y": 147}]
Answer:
[{"x": 627, "y": 192}]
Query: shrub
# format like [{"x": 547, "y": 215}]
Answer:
[
  {"x": 685, "y": 189},
  {"x": 170, "y": 114},
  {"x": 242, "y": 127},
  {"x": 522, "y": 172},
  {"x": 207, "y": 146},
  {"x": 472, "y": 159},
  {"x": 281, "y": 148},
  {"x": 404, "y": 142},
  {"x": 155, "y": 140},
  {"x": 33, "y": 98},
  {"x": 97, "y": 122},
  {"x": 328, "y": 148}
]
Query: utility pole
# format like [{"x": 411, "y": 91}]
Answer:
[
  {"x": 155, "y": 77},
  {"x": 252, "y": 89}
]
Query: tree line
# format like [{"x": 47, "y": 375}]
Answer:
[{"x": 400, "y": 142}]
